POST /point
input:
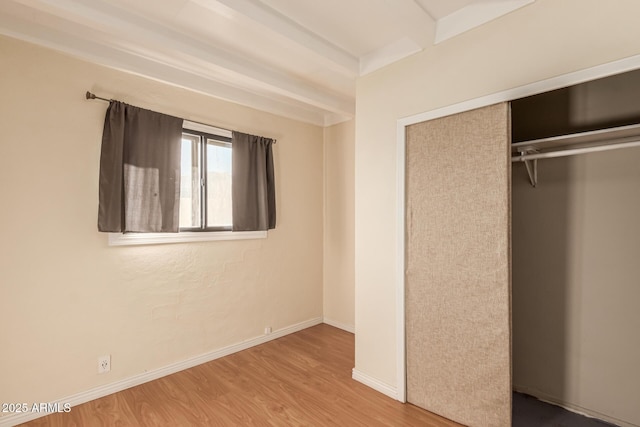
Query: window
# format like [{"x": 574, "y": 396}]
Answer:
[
  {"x": 205, "y": 183},
  {"x": 205, "y": 192}
]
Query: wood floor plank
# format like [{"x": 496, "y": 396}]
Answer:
[
  {"x": 112, "y": 410},
  {"x": 303, "y": 379}
]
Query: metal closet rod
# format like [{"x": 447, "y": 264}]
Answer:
[{"x": 574, "y": 151}]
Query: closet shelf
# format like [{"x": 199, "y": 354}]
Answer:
[{"x": 568, "y": 145}]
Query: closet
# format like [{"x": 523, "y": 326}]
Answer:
[
  {"x": 576, "y": 247},
  {"x": 526, "y": 278}
]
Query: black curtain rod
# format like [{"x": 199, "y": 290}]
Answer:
[{"x": 90, "y": 95}]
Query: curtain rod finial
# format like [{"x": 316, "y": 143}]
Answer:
[{"x": 90, "y": 95}]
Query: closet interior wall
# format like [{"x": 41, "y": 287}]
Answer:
[{"x": 576, "y": 256}]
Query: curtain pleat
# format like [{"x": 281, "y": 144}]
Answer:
[
  {"x": 253, "y": 185},
  {"x": 139, "y": 171}
]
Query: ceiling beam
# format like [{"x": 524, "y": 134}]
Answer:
[
  {"x": 137, "y": 36},
  {"x": 419, "y": 27},
  {"x": 386, "y": 55},
  {"x": 104, "y": 55},
  {"x": 275, "y": 21},
  {"x": 473, "y": 16}
]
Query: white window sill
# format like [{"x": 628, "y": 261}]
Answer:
[{"x": 119, "y": 239}]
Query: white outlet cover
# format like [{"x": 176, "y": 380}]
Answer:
[{"x": 104, "y": 364}]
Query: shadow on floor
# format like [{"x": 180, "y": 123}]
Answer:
[{"x": 531, "y": 412}]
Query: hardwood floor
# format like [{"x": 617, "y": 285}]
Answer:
[{"x": 303, "y": 379}]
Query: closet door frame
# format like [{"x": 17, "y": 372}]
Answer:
[{"x": 593, "y": 73}]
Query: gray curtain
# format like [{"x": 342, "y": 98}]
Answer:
[
  {"x": 139, "y": 171},
  {"x": 252, "y": 182}
]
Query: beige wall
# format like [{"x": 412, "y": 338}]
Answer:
[
  {"x": 339, "y": 237},
  {"x": 67, "y": 298},
  {"x": 545, "y": 39},
  {"x": 576, "y": 241}
]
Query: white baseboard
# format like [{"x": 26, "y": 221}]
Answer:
[
  {"x": 105, "y": 390},
  {"x": 375, "y": 384},
  {"x": 571, "y": 407},
  {"x": 339, "y": 325}
]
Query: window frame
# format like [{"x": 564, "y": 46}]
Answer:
[
  {"x": 219, "y": 140},
  {"x": 191, "y": 234}
]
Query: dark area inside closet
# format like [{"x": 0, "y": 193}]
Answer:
[{"x": 575, "y": 250}]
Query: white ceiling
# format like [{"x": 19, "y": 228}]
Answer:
[{"x": 297, "y": 58}]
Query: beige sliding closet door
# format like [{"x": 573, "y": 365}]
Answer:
[{"x": 458, "y": 281}]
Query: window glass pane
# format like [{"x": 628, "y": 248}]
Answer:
[
  {"x": 190, "y": 203},
  {"x": 218, "y": 184}
]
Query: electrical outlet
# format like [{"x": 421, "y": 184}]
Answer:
[
  {"x": 267, "y": 330},
  {"x": 104, "y": 364}
]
